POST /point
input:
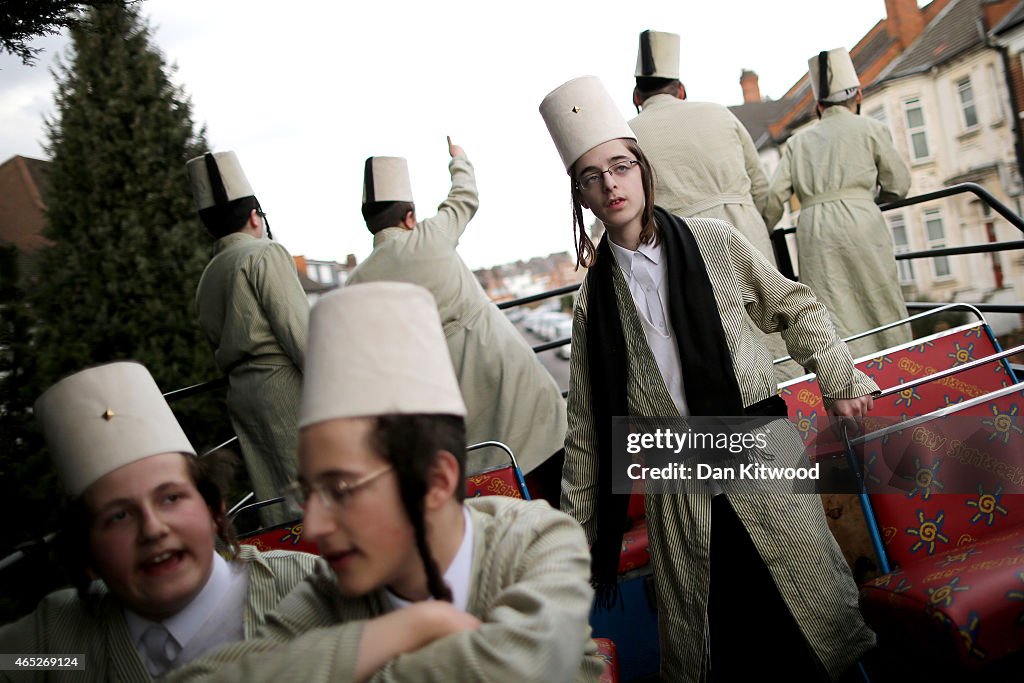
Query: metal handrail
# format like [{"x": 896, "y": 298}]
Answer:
[
  {"x": 786, "y": 268},
  {"x": 196, "y": 389},
  {"x": 948, "y": 372},
  {"x": 986, "y": 248},
  {"x": 987, "y": 308},
  {"x": 938, "y": 308},
  {"x": 568, "y": 289},
  {"x": 941, "y": 412},
  {"x": 960, "y": 188}
]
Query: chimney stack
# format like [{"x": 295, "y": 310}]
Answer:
[
  {"x": 904, "y": 21},
  {"x": 751, "y": 90}
]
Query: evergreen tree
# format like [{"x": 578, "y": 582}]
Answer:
[
  {"x": 119, "y": 282},
  {"x": 23, "y": 20}
]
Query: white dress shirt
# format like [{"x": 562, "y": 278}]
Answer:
[
  {"x": 458, "y": 575},
  {"x": 646, "y": 272},
  {"x": 214, "y": 617}
]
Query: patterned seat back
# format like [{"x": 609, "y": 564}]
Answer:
[
  {"x": 503, "y": 480},
  {"x": 915, "y": 517}
]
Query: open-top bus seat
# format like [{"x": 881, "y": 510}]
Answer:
[
  {"x": 501, "y": 480},
  {"x": 957, "y": 588},
  {"x": 957, "y": 583}
]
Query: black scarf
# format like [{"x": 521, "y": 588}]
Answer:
[{"x": 708, "y": 378}]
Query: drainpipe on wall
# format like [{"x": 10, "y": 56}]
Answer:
[{"x": 1018, "y": 137}]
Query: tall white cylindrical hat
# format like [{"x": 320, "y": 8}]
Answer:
[
  {"x": 840, "y": 75},
  {"x": 386, "y": 179},
  {"x": 580, "y": 115},
  {"x": 217, "y": 179},
  {"x": 377, "y": 349},
  {"x": 103, "y": 418},
  {"x": 658, "y": 55}
]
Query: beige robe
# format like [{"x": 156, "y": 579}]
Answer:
[
  {"x": 530, "y": 588},
  {"x": 61, "y": 624},
  {"x": 835, "y": 169},
  {"x": 255, "y": 315},
  {"x": 789, "y": 530},
  {"x": 706, "y": 165},
  {"x": 509, "y": 395}
]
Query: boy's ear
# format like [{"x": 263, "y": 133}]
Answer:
[
  {"x": 409, "y": 222},
  {"x": 442, "y": 480}
]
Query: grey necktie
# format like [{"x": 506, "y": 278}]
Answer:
[{"x": 160, "y": 650}]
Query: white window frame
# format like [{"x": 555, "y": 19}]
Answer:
[
  {"x": 964, "y": 85},
  {"x": 909, "y": 104},
  {"x": 939, "y": 263},
  {"x": 904, "y": 268}
]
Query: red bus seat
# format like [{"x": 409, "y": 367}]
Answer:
[{"x": 957, "y": 590}]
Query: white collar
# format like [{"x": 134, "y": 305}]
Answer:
[
  {"x": 624, "y": 257},
  {"x": 186, "y": 623},
  {"x": 459, "y": 572}
]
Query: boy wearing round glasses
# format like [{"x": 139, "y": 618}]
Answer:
[
  {"x": 663, "y": 327},
  {"x": 422, "y": 584}
]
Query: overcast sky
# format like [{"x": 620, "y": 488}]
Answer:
[{"x": 305, "y": 91}]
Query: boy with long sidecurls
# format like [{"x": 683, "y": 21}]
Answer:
[
  {"x": 422, "y": 586},
  {"x": 663, "y": 328}
]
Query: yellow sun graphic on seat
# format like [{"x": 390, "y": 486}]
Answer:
[
  {"x": 1003, "y": 425},
  {"x": 988, "y": 505},
  {"x": 926, "y": 480},
  {"x": 942, "y": 596},
  {"x": 928, "y": 533},
  {"x": 961, "y": 354}
]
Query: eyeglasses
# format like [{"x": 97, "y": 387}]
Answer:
[
  {"x": 619, "y": 169},
  {"x": 334, "y": 493}
]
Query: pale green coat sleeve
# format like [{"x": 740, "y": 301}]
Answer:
[
  {"x": 299, "y": 642},
  {"x": 893, "y": 174},
  {"x": 278, "y": 291},
  {"x": 780, "y": 189},
  {"x": 458, "y": 208},
  {"x": 752, "y": 163},
  {"x": 535, "y": 628}
]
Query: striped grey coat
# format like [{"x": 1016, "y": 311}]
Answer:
[
  {"x": 255, "y": 315},
  {"x": 788, "y": 530},
  {"x": 62, "y": 625},
  {"x": 529, "y": 587}
]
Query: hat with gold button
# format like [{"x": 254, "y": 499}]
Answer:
[{"x": 103, "y": 418}]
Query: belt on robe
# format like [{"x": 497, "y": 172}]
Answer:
[
  {"x": 838, "y": 195},
  {"x": 711, "y": 202}
]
